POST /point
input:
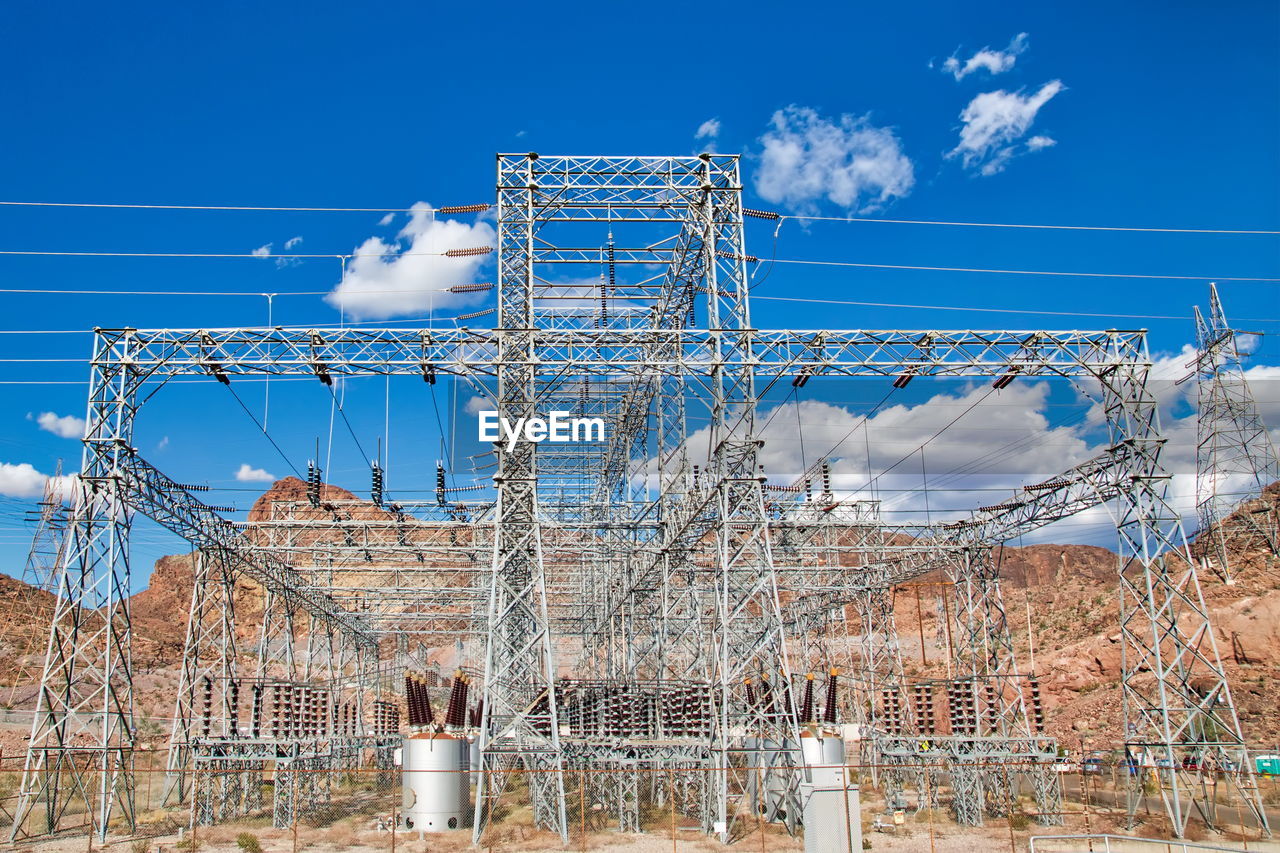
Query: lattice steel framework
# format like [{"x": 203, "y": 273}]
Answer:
[
  {"x": 1235, "y": 457},
  {"x": 664, "y": 563}
]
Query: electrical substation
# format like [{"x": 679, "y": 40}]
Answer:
[{"x": 639, "y": 624}]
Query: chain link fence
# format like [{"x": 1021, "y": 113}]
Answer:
[{"x": 298, "y": 804}]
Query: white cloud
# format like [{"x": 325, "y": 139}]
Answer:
[
  {"x": 1007, "y": 432},
  {"x": 1178, "y": 403},
  {"x": 992, "y": 61},
  {"x": 388, "y": 219},
  {"x": 24, "y": 481},
  {"x": 64, "y": 426},
  {"x": 291, "y": 242},
  {"x": 847, "y": 161},
  {"x": 411, "y": 274},
  {"x": 1035, "y": 143},
  {"x": 262, "y": 251},
  {"x": 163, "y": 443},
  {"x": 1011, "y": 438},
  {"x": 994, "y": 121},
  {"x": 249, "y": 474},
  {"x": 709, "y": 129},
  {"x": 479, "y": 404}
]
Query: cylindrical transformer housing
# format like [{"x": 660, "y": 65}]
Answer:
[{"x": 434, "y": 779}]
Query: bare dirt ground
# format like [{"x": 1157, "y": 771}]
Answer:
[{"x": 930, "y": 830}]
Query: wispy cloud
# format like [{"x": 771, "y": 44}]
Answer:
[
  {"x": 848, "y": 161},
  {"x": 709, "y": 129},
  {"x": 989, "y": 60},
  {"x": 248, "y": 474},
  {"x": 993, "y": 124},
  {"x": 411, "y": 274},
  {"x": 265, "y": 251}
]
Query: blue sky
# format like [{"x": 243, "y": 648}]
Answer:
[{"x": 1138, "y": 114}]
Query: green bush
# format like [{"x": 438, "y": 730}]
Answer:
[
  {"x": 1019, "y": 821},
  {"x": 248, "y": 842}
]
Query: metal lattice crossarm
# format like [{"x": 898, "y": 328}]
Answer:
[
  {"x": 897, "y": 553},
  {"x": 619, "y": 352},
  {"x": 167, "y": 502}
]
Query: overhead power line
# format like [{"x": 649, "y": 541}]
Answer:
[
  {"x": 445, "y": 209},
  {"x": 478, "y": 208},
  {"x": 462, "y": 252},
  {"x": 450, "y": 253},
  {"x": 1030, "y": 272},
  {"x": 977, "y": 310},
  {"x": 1028, "y": 225}
]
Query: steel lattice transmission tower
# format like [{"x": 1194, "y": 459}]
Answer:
[
  {"x": 41, "y": 568},
  {"x": 1235, "y": 456}
]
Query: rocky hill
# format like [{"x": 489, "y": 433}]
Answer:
[{"x": 1063, "y": 611}]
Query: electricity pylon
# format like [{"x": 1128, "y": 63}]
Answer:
[{"x": 1235, "y": 457}]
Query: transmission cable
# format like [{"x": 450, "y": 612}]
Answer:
[
  {"x": 950, "y": 424},
  {"x": 448, "y": 210},
  {"x": 480, "y": 208},
  {"x": 488, "y": 249},
  {"x": 343, "y": 412},
  {"x": 444, "y": 446},
  {"x": 259, "y": 425},
  {"x": 1029, "y": 272},
  {"x": 1023, "y": 225}
]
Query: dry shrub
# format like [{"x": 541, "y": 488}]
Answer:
[
  {"x": 341, "y": 835},
  {"x": 248, "y": 842}
]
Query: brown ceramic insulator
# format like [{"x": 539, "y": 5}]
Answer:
[
  {"x": 829, "y": 711},
  {"x": 410, "y": 700},
  {"x": 806, "y": 705},
  {"x": 424, "y": 704},
  {"x": 453, "y": 716},
  {"x": 419, "y": 711},
  {"x": 766, "y": 695}
]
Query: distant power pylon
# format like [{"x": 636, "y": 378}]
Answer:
[
  {"x": 1235, "y": 457},
  {"x": 40, "y": 572}
]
